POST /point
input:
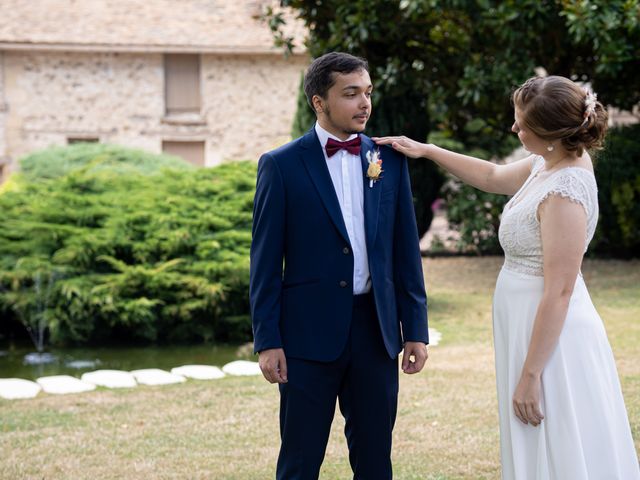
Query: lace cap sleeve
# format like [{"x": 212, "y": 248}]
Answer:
[{"x": 575, "y": 184}]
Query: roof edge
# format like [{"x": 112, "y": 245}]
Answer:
[{"x": 135, "y": 48}]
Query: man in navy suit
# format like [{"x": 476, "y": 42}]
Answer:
[{"x": 336, "y": 289}]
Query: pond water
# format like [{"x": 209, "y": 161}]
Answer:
[{"x": 17, "y": 361}]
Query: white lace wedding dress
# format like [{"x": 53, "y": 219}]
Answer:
[{"x": 585, "y": 434}]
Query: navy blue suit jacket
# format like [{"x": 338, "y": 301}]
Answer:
[{"x": 301, "y": 275}]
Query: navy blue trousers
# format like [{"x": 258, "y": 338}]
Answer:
[{"x": 365, "y": 382}]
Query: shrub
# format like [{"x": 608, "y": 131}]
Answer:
[
  {"x": 617, "y": 170},
  {"x": 476, "y": 214},
  {"x": 471, "y": 212},
  {"x": 305, "y": 117},
  {"x": 153, "y": 254},
  {"x": 58, "y": 161}
]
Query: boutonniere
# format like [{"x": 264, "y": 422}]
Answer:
[{"x": 374, "y": 172}]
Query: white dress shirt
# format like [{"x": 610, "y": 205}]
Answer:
[{"x": 348, "y": 181}]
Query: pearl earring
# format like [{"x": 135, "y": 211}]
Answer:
[{"x": 550, "y": 148}]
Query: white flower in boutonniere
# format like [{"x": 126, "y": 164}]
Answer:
[{"x": 374, "y": 172}]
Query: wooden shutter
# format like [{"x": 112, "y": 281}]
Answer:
[
  {"x": 192, "y": 152},
  {"x": 182, "y": 83}
]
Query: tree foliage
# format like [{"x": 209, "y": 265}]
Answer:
[
  {"x": 152, "y": 254},
  {"x": 450, "y": 65},
  {"x": 476, "y": 214},
  {"x": 618, "y": 176}
]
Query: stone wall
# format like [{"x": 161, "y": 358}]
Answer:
[
  {"x": 53, "y": 96},
  {"x": 248, "y": 102}
]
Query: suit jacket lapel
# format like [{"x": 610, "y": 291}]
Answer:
[
  {"x": 371, "y": 195},
  {"x": 316, "y": 166}
]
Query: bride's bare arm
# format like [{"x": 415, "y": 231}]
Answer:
[
  {"x": 487, "y": 176},
  {"x": 563, "y": 227}
]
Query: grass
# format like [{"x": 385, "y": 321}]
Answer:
[{"x": 227, "y": 429}]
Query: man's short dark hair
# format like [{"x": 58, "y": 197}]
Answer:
[{"x": 320, "y": 75}]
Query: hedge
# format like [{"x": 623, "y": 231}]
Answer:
[{"x": 99, "y": 249}]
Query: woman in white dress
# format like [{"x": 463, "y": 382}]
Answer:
[{"x": 562, "y": 415}]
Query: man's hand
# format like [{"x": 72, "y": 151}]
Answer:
[
  {"x": 418, "y": 351},
  {"x": 273, "y": 364}
]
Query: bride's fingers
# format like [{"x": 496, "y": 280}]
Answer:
[
  {"x": 538, "y": 413},
  {"x": 531, "y": 416},
  {"x": 384, "y": 140},
  {"x": 401, "y": 144},
  {"x": 403, "y": 149},
  {"x": 518, "y": 412}
]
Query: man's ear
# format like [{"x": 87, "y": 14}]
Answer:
[{"x": 318, "y": 104}]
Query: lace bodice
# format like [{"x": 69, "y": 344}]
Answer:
[{"x": 519, "y": 231}]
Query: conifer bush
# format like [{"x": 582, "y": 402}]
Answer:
[
  {"x": 101, "y": 248},
  {"x": 57, "y": 161}
]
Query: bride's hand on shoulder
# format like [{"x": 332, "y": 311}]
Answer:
[{"x": 404, "y": 145}]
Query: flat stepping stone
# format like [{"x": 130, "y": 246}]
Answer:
[
  {"x": 14, "y": 388},
  {"x": 198, "y": 372},
  {"x": 434, "y": 337},
  {"x": 110, "y": 378},
  {"x": 62, "y": 384},
  {"x": 155, "y": 376},
  {"x": 242, "y": 367}
]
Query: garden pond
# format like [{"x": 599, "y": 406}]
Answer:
[{"x": 21, "y": 361}]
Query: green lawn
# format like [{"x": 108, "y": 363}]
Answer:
[{"x": 228, "y": 429}]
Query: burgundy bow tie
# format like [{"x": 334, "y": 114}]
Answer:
[{"x": 334, "y": 146}]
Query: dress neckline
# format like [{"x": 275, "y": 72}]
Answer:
[
  {"x": 572, "y": 167},
  {"x": 540, "y": 157},
  {"x": 519, "y": 196}
]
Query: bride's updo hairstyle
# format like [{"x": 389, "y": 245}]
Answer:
[{"x": 555, "y": 108}]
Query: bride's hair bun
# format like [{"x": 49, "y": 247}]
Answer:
[{"x": 555, "y": 108}]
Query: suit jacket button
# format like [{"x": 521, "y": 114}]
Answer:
[
  {"x": 345, "y": 250},
  {"x": 343, "y": 283}
]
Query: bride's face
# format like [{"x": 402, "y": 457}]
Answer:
[{"x": 530, "y": 141}]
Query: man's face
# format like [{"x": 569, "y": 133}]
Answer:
[{"x": 347, "y": 107}]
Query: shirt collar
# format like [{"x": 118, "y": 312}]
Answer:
[{"x": 324, "y": 136}]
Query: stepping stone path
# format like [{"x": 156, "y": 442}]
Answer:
[
  {"x": 199, "y": 372},
  {"x": 14, "y": 388},
  {"x": 110, "y": 378},
  {"x": 155, "y": 376},
  {"x": 61, "y": 384}
]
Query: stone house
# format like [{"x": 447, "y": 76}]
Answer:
[{"x": 196, "y": 78}]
